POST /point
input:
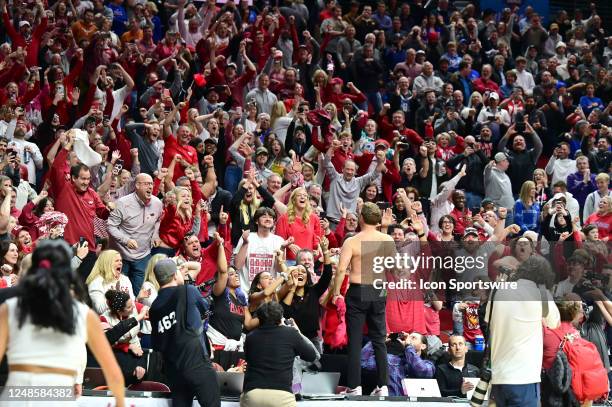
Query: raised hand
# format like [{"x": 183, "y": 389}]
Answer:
[
  {"x": 417, "y": 224},
  {"x": 223, "y": 216},
  {"x": 387, "y": 218},
  {"x": 115, "y": 156},
  {"x": 245, "y": 235},
  {"x": 324, "y": 243}
]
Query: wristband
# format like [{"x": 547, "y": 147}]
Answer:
[{"x": 421, "y": 235}]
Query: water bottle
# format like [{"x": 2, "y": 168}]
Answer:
[{"x": 479, "y": 343}]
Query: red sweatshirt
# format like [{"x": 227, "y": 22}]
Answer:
[
  {"x": 387, "y": 128},
  {"x": 172, "y": 228},
  {"x": 171, "y": 149},
  {"x": 80, "y": 208},
  {"x": 603, "y": 223},
  {"x": 305, "y": 236},
  {"x": 17, "y": 40}
]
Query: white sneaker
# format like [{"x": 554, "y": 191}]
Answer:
[
  {"x": 380, "y": 392},
  {"x": 353, "y": 392}
]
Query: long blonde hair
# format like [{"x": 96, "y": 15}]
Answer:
[
  {"x": 244, "y": 208},
  {"x": 525, "y": 195},
  {"x": 291, "y": 209},
  {"x": 149, "y": 274},
  {"x": 278, "y": 110},
  {"x": 334, "y": 115},
  {"x": 321, "y": 73},
  {"x": 184, "y": 214},
  {"x": 103, "y": 267}
]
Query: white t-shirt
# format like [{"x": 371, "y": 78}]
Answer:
[
  {"x": 259, "y": 257},
  {"x": 517, "y": 339}
]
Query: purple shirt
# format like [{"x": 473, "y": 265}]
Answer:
[
  {"x": 577, "y": 187},
  {"x": 407, "y": 365}
]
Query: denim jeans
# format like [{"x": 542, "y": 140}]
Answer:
[
  {"x": 516, "y": 395},
  {"x": 135, "y": 270}
]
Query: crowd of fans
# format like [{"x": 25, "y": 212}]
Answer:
[{"x": 242, "y": 140}]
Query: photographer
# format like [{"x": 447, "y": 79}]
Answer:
[
  {"x": 269, "y": 353},
  {"x": 516, "y": 337},
  {"x": 176, "y": 319}
]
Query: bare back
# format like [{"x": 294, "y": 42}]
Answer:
[{"x": 364, "y": 245}]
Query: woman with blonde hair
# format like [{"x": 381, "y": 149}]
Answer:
[
  {"x": 179, "y": 218},
  {"x": 527, "y": 209},
  {"x": 543, "y": 192},
  {"x": 106, "y": 275},
  {"x": 332, "y": 111},
  {"x": 280, "y": 120},
  {"x": 299, "y": 222}
]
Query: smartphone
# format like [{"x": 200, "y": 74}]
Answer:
[
  {"x": 81, "y": 241},
  {"x": 383, "y": 205}
]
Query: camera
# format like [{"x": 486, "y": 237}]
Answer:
[
  {"x": 481, "y": 388},
  {"x": 590, "y": 282},
  {"x": 596, "y": 126}
]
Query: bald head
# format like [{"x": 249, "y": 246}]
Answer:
[{"x": 144, "y": 186}]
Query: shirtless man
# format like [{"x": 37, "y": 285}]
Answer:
[{"x": 363, "y": 301}]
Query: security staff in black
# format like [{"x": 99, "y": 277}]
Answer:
[{"x": 177, "y": 333}]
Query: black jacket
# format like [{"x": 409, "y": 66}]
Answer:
[
  {"x": 474, "y": 180},
  {"x": 222, "y": 198},
  {"x": 269, "y": 352},
  {"x": 450, "y": 379}
]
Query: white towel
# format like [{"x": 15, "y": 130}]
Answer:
[{"x": 82, "y": 149}]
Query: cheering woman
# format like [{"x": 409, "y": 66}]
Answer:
[{"x": 44, "y": 331}]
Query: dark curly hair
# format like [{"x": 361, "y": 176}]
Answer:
[{"x": 50, "y": 289}]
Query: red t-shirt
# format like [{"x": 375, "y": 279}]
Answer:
[
  {"x": 471, "y": 322},
  {"x": 305, "y": 236},
  {"x": 603, "y": 223},
  {"x": 171, "y": 149}
]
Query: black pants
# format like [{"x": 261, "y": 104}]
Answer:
[
  {"x": 200, "y": 381},
  {"x": 364, "y": 304}
]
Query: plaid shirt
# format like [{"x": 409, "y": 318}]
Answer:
[
  {"x": 527, "y": 218},
  {"x": 407, "y": 365}
]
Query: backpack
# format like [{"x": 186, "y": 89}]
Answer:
[
  {"x": 589, "y": 377},
  {"x": 556, "y": 382}
]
